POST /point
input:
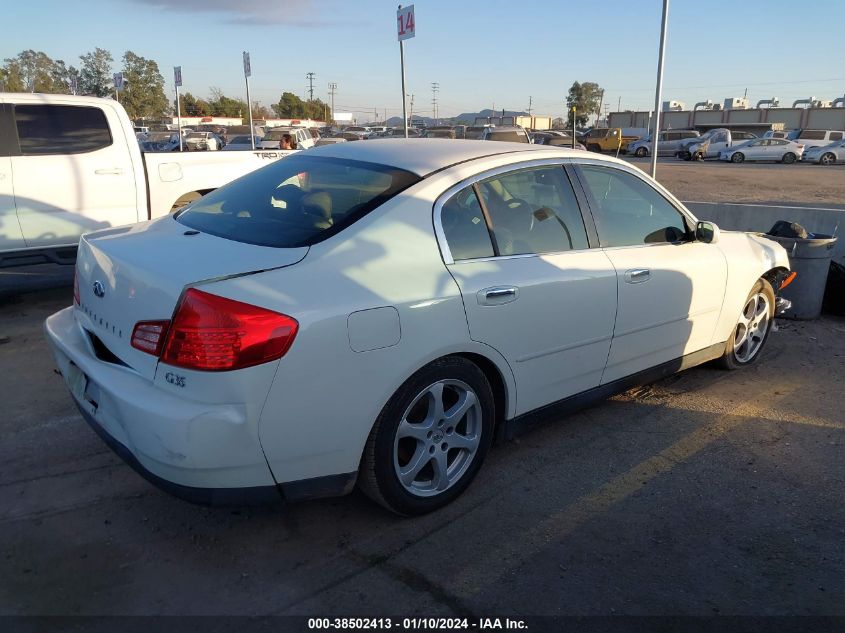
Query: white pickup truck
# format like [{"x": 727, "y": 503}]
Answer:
[{"x": 70, "y": 165}]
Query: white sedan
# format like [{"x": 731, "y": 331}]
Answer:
[
  {"x": 826, "y": 154},
  {"x": 374, "y": 313},
  {"x": 773, "y": 149}
]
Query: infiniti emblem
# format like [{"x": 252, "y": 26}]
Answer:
[{"x": 99, "y": 289}]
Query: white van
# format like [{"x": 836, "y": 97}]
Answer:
[{"x": 815, "y": 138}]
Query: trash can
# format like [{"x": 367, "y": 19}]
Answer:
[{"x": 810, "y": 258}]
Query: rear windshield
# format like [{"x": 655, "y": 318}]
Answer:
[
  {"x": 513, "y": 137},
  {"x": 296, "y": 201}
]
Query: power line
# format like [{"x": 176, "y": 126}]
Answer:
[
  {"x": 332, "y": 90},
  {"x": 310, "y": 77}
]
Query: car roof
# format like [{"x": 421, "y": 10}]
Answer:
[{"x": 424, "y": 156}]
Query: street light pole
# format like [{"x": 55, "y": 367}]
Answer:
[{"x": 655, "y": 132}]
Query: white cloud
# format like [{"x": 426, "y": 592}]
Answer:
[{"x": 306, "y": 13}]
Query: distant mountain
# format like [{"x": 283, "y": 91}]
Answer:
[{"x": 466, "y": 118}]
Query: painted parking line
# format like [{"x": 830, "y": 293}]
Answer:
[{"x": 521, "y": 547}]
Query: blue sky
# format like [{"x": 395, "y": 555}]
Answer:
[{"x": 482, "y": 53}]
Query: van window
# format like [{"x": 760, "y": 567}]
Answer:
[
  {"x": 812, "y": 135},
  {"x": 61, "y": 129},
  {"x": 836, "y": 136}
]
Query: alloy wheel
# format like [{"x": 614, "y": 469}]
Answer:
[
  {"x": 437, "y": 438},
  {"x": 752, "y": 327}
]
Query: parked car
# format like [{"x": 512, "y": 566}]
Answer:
[
  {"x": 789, "y": 135},
  {"x": 362, "y": 132},
  {"x": 815, "y": 138},
  {"x": 604, "y": 139},
  {"x": 161, "y": 142},
  {"x": 330, "y": 140},
  {"x": 709, "y": 144},
  {"x": 769, "y": 149},
  {"x": 508, "y": 133},
  {"x": 273, "y": 138},
  {"x": 825, "y": 154},
  {"x": 203, "y": 141},
  {"x": 667, "y": 143},
  {"x": 440, "y": 133},
  {"x": 242, "y": 142},
  {"x": 376, "y": 312},
  {"x": 557, "y": 140}
]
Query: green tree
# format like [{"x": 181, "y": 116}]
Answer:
[
  {"x": 95, "y": 76},
  {"x": 221, "y": 105},
  {"x": 292, "y": 107},
  {"x": 191, "y": 106},
  {"x": 63, "y": 76},
  {"x": 144, "y": 95},
  {"x": 30, "y": 71},
  {"x": 586, "y": 97}
]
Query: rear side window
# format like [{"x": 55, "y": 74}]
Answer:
[
  {"x": 836, "y": 136},
  {"x": 61, "y": 129},
  {"x": 297, "y": 201},
  {"x": 464, "y": 226},
  {"x": 534, "y": 211}
]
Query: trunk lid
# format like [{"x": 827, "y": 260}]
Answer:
[{"x": 137, "y": 273}]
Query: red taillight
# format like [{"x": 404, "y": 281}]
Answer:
[
  {"x": 212, "y": 333},
  {"x": 76, "y": 287},
  {"x": 148, "y": 336}
]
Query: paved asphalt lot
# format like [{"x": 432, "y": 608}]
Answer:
[{"x": 707, "y": 493}]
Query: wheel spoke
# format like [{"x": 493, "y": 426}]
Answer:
[
  {"x": 468, "y": 442},
  {"x": 416, "y": 431},
  {"x": 466, "y": 402},
  {"x": 440, "y": 480},
  {"x": 412, "y": 468},
  {"x": 435, "y": 411},
  {"x": 740, "y": 340}
]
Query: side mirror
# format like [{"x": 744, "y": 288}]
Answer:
[{"x": 707, "y": 232}]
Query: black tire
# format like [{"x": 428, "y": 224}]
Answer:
[
  {"x": 789, "y": 158},
  {"x": 732, "y": 358},
  {"x": 641, "y": 152},
  {"x": 593, "y": 147},
  {"x": 828, "y": 158},
  {"x": 685, "y": 155},
  {"x": 378, "y": 478},
  {"x": 737, "y": 157}
]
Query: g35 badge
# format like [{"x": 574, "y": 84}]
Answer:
[{"x": 175, "y": 379}]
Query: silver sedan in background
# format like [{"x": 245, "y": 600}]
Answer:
[
  {"x": 772, "y": 149},
  {"x": 825, "y": 154}
]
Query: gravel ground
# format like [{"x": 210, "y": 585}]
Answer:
[{"x": 716, "y": 181}]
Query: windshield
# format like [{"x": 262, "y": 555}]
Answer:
[
  {"x": 161, "y": 136},
  {"x": 297, "y": 201},
  {"x": 276, "y": 135}
]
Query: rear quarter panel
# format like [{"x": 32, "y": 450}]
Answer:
[{"x": 326, "y": 397}]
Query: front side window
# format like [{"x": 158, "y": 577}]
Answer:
[
  {"x": 629, "y": 211},
  {"x": 534, "y": 210},
  {"x": 61, "y": 129},
  {"x": 297, "y": 201}
]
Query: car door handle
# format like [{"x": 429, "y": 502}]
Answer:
[
  {"x": 114, "y": 171},
  {"x": 637, "y": 275},
  {"x": 497, "y": 295}
]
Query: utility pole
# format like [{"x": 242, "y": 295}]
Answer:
[
  {"x": 434, "y": 88},
  {"x": 411, "y": 118},
  {"x": 530, "y": 102},
  {"x": 310, "y": 77},
  {"x": 619, "y": 104},
  {"x": 658, "y": 93},
  {"x": 332, "y": 90}
]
